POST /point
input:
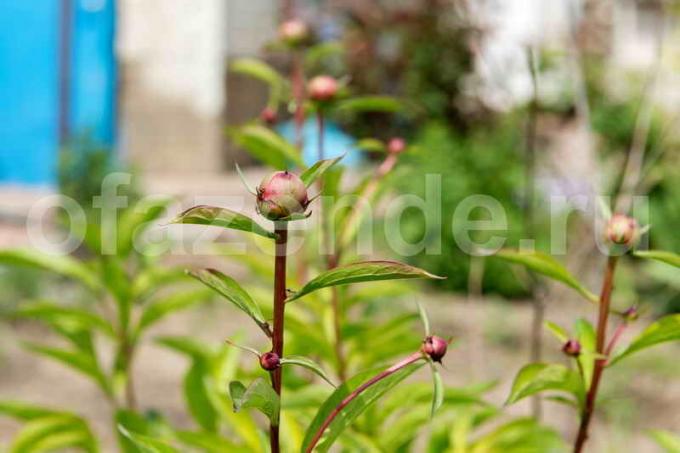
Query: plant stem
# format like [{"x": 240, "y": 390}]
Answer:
[
  {"x": 297, "y": 80},
  {"x": 605, "y": 298},
  {"x": 281, "y": 229},
  {"x": 356, "y": 392}
]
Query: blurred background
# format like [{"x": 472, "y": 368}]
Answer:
[{"x": 518, "y": 99}]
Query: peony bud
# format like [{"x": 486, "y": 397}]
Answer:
[
  {"x": 396, "y": 145},
  {"x": 622, "y": 230},
  {"x": 269, "y": 116},
  {"x": 270, "y": 361},
  {"x": 281, "y": 195},
  {"x": 572, "y": 348},
  {"x": 435, "y": 348},
  {"x": 294, "y": 32},
  {"x": 631, "y": 314},
  {"x": 322, "y": 88}
]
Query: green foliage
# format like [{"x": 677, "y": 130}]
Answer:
[
  {"x": 664, "y": 330},
  {"x": 539, "y": 377},
  {"x": 665, "y": 257},
  {"x": 221, "y": 217},
  {"x": 267, "y": 146},
  {"x": 258, "y": 395}
]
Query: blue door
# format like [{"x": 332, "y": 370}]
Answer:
[{"x": 57, "y": 81}]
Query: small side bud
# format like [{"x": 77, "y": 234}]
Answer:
[
  {"x": 281, "y": 195},
  {"x": 322, "y": 88},
  {"x": 435, "y": 347},
  {"x": 294, "y": 32},
  {"x": 270, "y": 361},
  {"x": 622, "y": 230},
  {"x": 572, "y": 348},
  {"x": 396, "y": 145},
  {"x": 631, "y": 314},
  {"x": 269, "y": 116}
]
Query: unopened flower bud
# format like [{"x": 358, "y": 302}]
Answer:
[
  {"x": 435, "y": 347},
  {"x": 281, "y": 195},
  {"x": 631, "y": 314},
  {"x": 269, "y": 116},
  {"x": 622, "y": 230},
  {"x": 294, "y": 32},
  {"x": 572, "y": 348},
  {"x": 322, "y": 88},
  {"x": 270, "y": 361},
  {"x": 396, "y": 145}
]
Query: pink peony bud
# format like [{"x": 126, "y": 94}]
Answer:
[
  {"x": 572, "y": 348},
  {"x": 294, "y": 32},
  {"x": 280, "y": 195},
  {"x": 435, "y": 348},
  {"x": 631, "y": 314},
  {"x": 270, "y": 361},
  {"x": 396, "y": 145},
  {"x": 622, "y": 230},
  {"x": 322, "y": 88}
]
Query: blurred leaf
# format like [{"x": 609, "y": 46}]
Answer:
[
  {"x": 546, "y": 265},
  {"x": 557, "y": 331},
  {"x": 259, "y": 395},
  {"x": 53, "y": 313},
  {"x": 59, "y": 264},
  {"x": 309, "y": 364},
  {"x": 197, "y": 398},
  {"x": 668, "y": 441},
  {"x": 318, "y": 169},
  {"x": 118, "y": 282},
  {"x": 149, "y": 280},
  {"x": 659, "y": 255},
  {"x": 221, "y": 217},
  {"x": 371, "y": 145},
  {"x": 537, "y": 377},
  {"x": 384, "y": 104},
  {"x": 585, "y": 334},
  {"x": 424, "y": 319},
  {"x": 438, "y": 389},
  {"x": 147, "y": 444},
  {"x": 232, "y": 291},
  {"x": 519, "y": 436},
  {"x": 365, "y": 271},
  {"x": 262, "y": 71},
  {"x": 664, "y": 330},
  {"x": 136, "y": 219},
  {"x": 24, "y": 411},
  {"x": 267, "y": 146},
  {"x": 54, "y": 432},
  {"x": 316, "y": 54},
  {"x": 355, "y": 408},
  {"x": 159, "y": 309},
  {"x": 209, "y": 442},
  {"x": 186, "y": 345}
]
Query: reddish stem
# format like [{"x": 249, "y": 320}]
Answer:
[
  {"x": 298, "y": 82},
  {"x": 605, "y": 299},
  {"x": 281, "y": 230},
  {"x": 615, "y": 339},
  {"x": 356, "y": 392}
]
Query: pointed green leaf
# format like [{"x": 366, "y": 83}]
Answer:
[
  {"x": 362, "y": 104},
  {"x": 438, "y": 389},
  {"x": 538, "y": 377},
  {"x": 664, "y": 330},
  {"x": 197, "y": 398},
  {"x": 365, "y": 271},
  {"x": 267, "y": 146},
  {"x": 232, "y": 291},
  {"x": 260, "y": 70},
  {"x": 668, "y": 441},
  {"x": 659, "y": 255},
  {"x": 54, "y": 432},
  {"x": 159, "y": 309},
  {"x": 59, "y": 264},
  {"x": 52, "y": 313},
  {"x": 259, "y": 395},
  {"x": 147, "y": 444},
  {"x": 355, "y": 408},
  {"x": 557, "y": 331},
  {"x": 423, "y": 317},
  {"x": 318, "y": 169},
  {"x": 585, "y": 334},
  {"x": 546, "y": 265},
  {"x": 309, "y": 364},
  {"x": 24, "y": 411},
  {"x": 221, "y": 217}
]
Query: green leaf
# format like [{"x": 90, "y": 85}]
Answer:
[
  {"x": 659, "y": 255},
  {"x": 186, "y": 345},
  {"x": 24, "y": 411},
  {"x": 163, "y": 307},
  {"x": 355, "y": 408},
  {"x": 209, "y": 442},
  {"x": 309, "y": 364},
  {"x": 259, "y": 395},
  {"x": 585, "y": 334},
  {"x": 545, "y": 264},
  {"x": 316, "y": 54},
  {"x": 664, "y": 330},
  {"x": 149, "y": 280},
  {"x": 221, "y": 217},
  {"x": 197, "y": 398},
  {"x": 537, "y": 377},
  {"x": 267, "y": 146},
  {"x": 317, "y": 170},
  {"x": 232, "y": 291},
  {"x": 370, "y": 145},
  {"x": 668, "y": 441},
  {"x": 384, "y": 104},
  {"x": 262, "y": 71},
  {"x": 557, "y": 331},
  {"x": 136, "y": 219},
  {"x": 54, "y": 432},
  {"x": 52, "y": 313},
  {"x": 147, "y": 444},
  {"x": 424, "y": 319},
  {"x": 59, "y": 264},
  {"x": 438, "y": 389},
  {"x": 365, "y": 271}
]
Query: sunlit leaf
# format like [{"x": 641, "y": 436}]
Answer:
[
  {"x": 159, "y": 309},
  {"x": 438, "y": 390},
  {"x": 557, "y": 331},
  {"x": 384, "y": 104},
  {"x": 309, "y": 364},
  {"x": 221, "y": 217},
  {"x": 317, "y": 170},
  {"x": 232, "y": 291},
  {"x": 267, "y": 146},
  {"x": 538, "y": 377},
  {"x": 54, "y": 432},
  {"x": 546, "y": 265},
  {"x": 196, "y": 396},
  {"x": 365, "y": 271},
  {"x": 659, "y": 255},
  {"x": 668, "y": 441},
  {"x": 260, "y": 70},
  {"x": 664, "y": 330},
  {"x": 519, "y": 436},
  {"x": 147, "y": 444},
  {"x": 59, "y": 264},
  {"x": 258, "y": 395},
  {"x": 209, "y": 442},
  {"x": 585, "y": 334}
]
